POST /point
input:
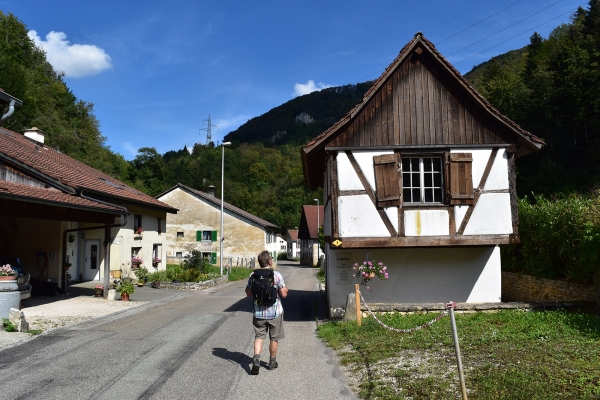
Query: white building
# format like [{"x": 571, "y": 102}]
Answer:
[{"x": 420, "y": 175}]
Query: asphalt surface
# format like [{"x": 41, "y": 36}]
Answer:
[{"x": 182, "y": 345}]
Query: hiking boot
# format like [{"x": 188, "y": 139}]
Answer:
[
  {"x": 272, "y": 365},
  {"x": 255, "y": 366}
]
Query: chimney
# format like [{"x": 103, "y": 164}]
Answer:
[
  {"x": 35, "y": 134},
  {"x": 211, "y": 190}
]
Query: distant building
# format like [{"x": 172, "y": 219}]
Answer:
[
  {"x": 293, "y": 244},
  {"x": 310, "y": 220},
  {"x": 198, "y": 223}
]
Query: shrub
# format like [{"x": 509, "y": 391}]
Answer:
[
  {"x": 196, "y": 261},
  {"x": 560, "y": 238},
  {"x": 282, "y": 255}
]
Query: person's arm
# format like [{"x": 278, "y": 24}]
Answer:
[
  {"x": 248, "y": 292},
  {"x": 283, "y": 292}
]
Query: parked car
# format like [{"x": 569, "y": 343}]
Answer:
[{"x": 22, "y": 275}]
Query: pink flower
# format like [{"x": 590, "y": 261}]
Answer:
[
  {"x": 386, "y": 275},
  {"x": 384, "y": 268},
  {"x": 380, "y": 271},
  {"x": 380, "y": 263},
  {"x": 368, "y": 288}
]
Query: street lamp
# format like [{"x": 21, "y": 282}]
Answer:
[
  {"x": 318, "y": 242},
  {"x": 222, "y": 184}
]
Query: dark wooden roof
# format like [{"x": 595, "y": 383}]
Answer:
[
  {"x": 310, "y": 222},
  {"x": 419, "y": 101}
]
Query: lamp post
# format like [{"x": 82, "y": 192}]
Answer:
[
  {"x": 222, "y": 184},
  {"x": 318, "y": 242}
]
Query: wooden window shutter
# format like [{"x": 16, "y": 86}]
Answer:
[
  {"x": 213, "y": 258},
  {"x": 198, "y": 236},
  {"x": 214, "y": 236},
  {"x": 387, "y": 180},
  {"x": 461, "y": 178}
]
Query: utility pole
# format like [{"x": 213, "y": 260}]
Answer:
[{"x": 208, "y": 130}]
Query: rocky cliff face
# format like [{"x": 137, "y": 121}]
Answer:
[{"x": 304, "y": 118}]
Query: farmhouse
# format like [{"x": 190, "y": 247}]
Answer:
[
  {"x": 310, "y": 221},
  {"x": 420, "y": 176},
  {"x": 197, "y": 227},
  {"x": 293, "y": 244}
]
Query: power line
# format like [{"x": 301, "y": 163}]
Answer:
[
  {"x": 520, "y": 34},
  {"x": 477, "y": 23},
  {"x": 501, "y": 30}
]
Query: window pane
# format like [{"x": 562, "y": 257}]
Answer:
[
  {"x": 406, "y": 164},
  {"x": 416, "y": 179},
  {"x": 414, "y": 162},
  {"x": 428, "y": 195},
  {"x": 428, "y": 179},
  {"x": 437, "y": 180},
  {"x": 407, "y": 196},
  {"x": 437, "y": 194},
  {"x": 416, "y": 194},
  {"x": 406, "y": 180},
  {"x": 427, "y": 164},
  {"x": 437, "y": 164}
]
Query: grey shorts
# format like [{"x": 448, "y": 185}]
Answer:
[{"x": 273, "y": 326}]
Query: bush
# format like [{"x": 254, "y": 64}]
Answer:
[
  {"x": 158, "y": 276},
  {"x": 196, "y": 261},
  {"x": 560, "y": 238},
  {"x": 282, "y": 255}
]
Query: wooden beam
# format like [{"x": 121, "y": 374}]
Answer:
[
  {"x": 335, "y": 193},
  {"x": 425, "y": 241}
]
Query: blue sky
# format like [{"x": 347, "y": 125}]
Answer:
[{"x": 155, "y": 70}]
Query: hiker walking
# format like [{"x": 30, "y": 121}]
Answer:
[{"x": 267, "y": 288}]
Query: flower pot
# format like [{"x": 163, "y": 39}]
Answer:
[
  {"x": 99, "y": 291},
  {"x": 8, "y": 278},
  {"x": 141, "y": 283},
  {"x": 372, "y": 275},
  {"x": 156, "y": 285},
  {"x": 124, "y": 296}
]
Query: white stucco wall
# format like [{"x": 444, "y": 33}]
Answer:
[{"x": 419, "y": 275}]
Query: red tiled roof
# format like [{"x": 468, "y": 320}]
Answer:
[
  {"x": 50, "y": 196},
  {"x": 226, "y": 205},
  {"x": 293, "y": 233},
  {"x": 62, "y": 169},
  {"x": 309, "y": 223}
]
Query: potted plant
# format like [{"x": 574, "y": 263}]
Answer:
[
  {"x": 125, "y": 289},
  {"x": 71, "y": 237},
  {"x": 155, "y": 262},
  {"x": 369, "y": 270},
  {"x": 99, "y": 291},
  {"x": 142, "y": 275},
  {"x": 7, "y": 273},
  {"x": 138, "y": 230},
  {"x": 136, "y": 262},
  {"x": 67, "y": 265}
]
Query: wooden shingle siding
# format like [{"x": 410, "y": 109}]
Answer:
[{"x": 419, "y": 106}]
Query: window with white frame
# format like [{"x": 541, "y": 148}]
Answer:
[{"x": 422, "y": 180}]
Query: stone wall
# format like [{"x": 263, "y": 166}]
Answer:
[
  {"x": 194, "y": 285},
  {"x": 519, "y": 287}
]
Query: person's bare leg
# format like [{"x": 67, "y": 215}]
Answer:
[
  {"x": 258, "y": 343},
  {"x": 273, "y": 345}
]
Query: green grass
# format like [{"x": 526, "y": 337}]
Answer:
[{"x": 505, "y": 355}]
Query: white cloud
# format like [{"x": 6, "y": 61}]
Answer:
[
  {"x": 308, "y": 87},
  {"x": 76, "y": 60},
  {"x": 131, "y": 149}
]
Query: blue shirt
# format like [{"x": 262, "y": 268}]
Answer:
[{"x": 274, "y": 311}]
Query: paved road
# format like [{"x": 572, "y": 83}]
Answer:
[{"x": 197, "y": 346}]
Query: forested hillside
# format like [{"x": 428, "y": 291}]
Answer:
[{"x": 552, "y": 89}]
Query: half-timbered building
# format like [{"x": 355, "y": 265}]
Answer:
[{"x": 420, "y": 175}]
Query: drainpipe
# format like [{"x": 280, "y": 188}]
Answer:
[
  {"x": 106, "y": 228},
  {"x": 11, "y": 110}
]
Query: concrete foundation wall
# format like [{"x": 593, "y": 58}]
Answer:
[{"x": 418, "y": 275}]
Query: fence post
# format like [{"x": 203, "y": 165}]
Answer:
[
  {"x": 357, "y": 297},
  {"x": 451, "y": 305}
]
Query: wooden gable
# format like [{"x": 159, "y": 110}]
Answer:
[
  {"x": 420, "y": 101},
  {"x": 419, "y": 104}
]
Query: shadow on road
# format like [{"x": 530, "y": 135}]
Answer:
[
  {"x": 243, "y": 359},
  {"x": 299, "y": 305}
]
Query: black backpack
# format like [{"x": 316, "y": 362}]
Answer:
[{"x": 262, "y": 283}]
